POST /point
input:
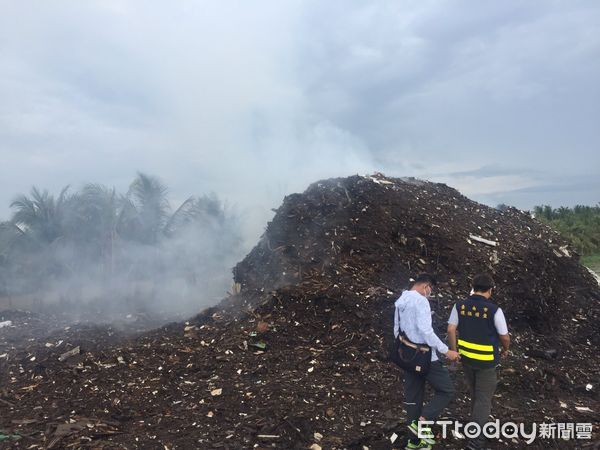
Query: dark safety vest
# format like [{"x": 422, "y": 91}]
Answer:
[{"x": 478, "y": 342}]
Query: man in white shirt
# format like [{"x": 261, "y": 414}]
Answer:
[{"x": 413, "y": 318}]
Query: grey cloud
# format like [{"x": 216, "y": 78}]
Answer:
[
  {"x": 497, "y": 82},
  {"x": 254, "y": 101}
]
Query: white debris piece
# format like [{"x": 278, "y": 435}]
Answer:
[
  {"x": 6, "y": 323},
  {"x": 588, "y": 387},
  {"x": 594, "y": 274},
  {"x": 494, "y": 258},
  {"x": 70, "y": 353},
  {"x": 393, "y": 438},
  {"x": 378, "y": 181},
  {"x": 482, "y": 240}
]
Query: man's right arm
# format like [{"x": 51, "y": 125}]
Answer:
[
  {"x": 502, "y": 330},
  {"x": 505, "y": 341},
  {"x": 431, "y": 339},
  {"x": 452, "y": 325}
]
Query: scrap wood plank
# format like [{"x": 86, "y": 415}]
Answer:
[{"x": 483, "y": 240}]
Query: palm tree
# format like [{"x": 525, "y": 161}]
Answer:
[
  {"x": 152, "y": 218},
  {"x": 31, "y": 238},
  {"x": 41, "y": 217},
  {"x": 98, "y": 217},
  {"x": 148, "y": 196},
  {"x": 68, "y": 236}
]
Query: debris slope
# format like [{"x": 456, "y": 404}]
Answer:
[{"x": 297, "y": 356}]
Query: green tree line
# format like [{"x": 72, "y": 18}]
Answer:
[
  {"x": 98, "y": 237},
  {"x": 580, "y": 225}
]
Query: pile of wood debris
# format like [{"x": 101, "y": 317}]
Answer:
[{"x": 297, "y": 358}]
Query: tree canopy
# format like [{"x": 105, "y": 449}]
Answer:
[{"x": 580, "y": 224}]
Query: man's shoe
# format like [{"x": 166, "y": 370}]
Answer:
[
  {"x": 426, "y": 434},
  {"x": 419, "y": 445}
]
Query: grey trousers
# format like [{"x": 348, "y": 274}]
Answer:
[
  {"x": 482, "y": 384},
  {"x": 414, "y": 392}
]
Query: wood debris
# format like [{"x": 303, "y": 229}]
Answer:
[{"x": 296, "y": 356}]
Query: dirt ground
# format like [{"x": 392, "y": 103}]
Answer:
[{"x": 299, "y": 357}]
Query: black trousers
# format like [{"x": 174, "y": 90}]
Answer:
[{"x": 414, "y": 392}]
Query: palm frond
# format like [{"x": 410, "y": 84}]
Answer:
[{"x": 181, "y": 215}]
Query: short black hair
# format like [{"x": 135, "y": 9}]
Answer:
[
  {"x": 425, "y": 278},
  {"x": 482, "y": 282}
]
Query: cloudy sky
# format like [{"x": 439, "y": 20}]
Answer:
[{"x": 254, "y": 100}]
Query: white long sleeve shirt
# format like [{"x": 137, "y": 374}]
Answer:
[{"x": 413, "y": 316}]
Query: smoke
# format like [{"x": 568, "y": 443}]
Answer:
[
  {"x": 210, "y": 96},
  {"x": 255, "y": 102},
  {"x": 178, "y": 277},
  {"x": 98, "y": 255}
]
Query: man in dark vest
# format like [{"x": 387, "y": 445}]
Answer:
[{"x": 482, "y": 329}]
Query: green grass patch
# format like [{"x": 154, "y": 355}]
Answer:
[{"x": 592, "y": 261}]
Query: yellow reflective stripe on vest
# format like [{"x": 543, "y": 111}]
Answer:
[
  {"x": 482, "y": 348},
  {"x": 478, "y": 356}
]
